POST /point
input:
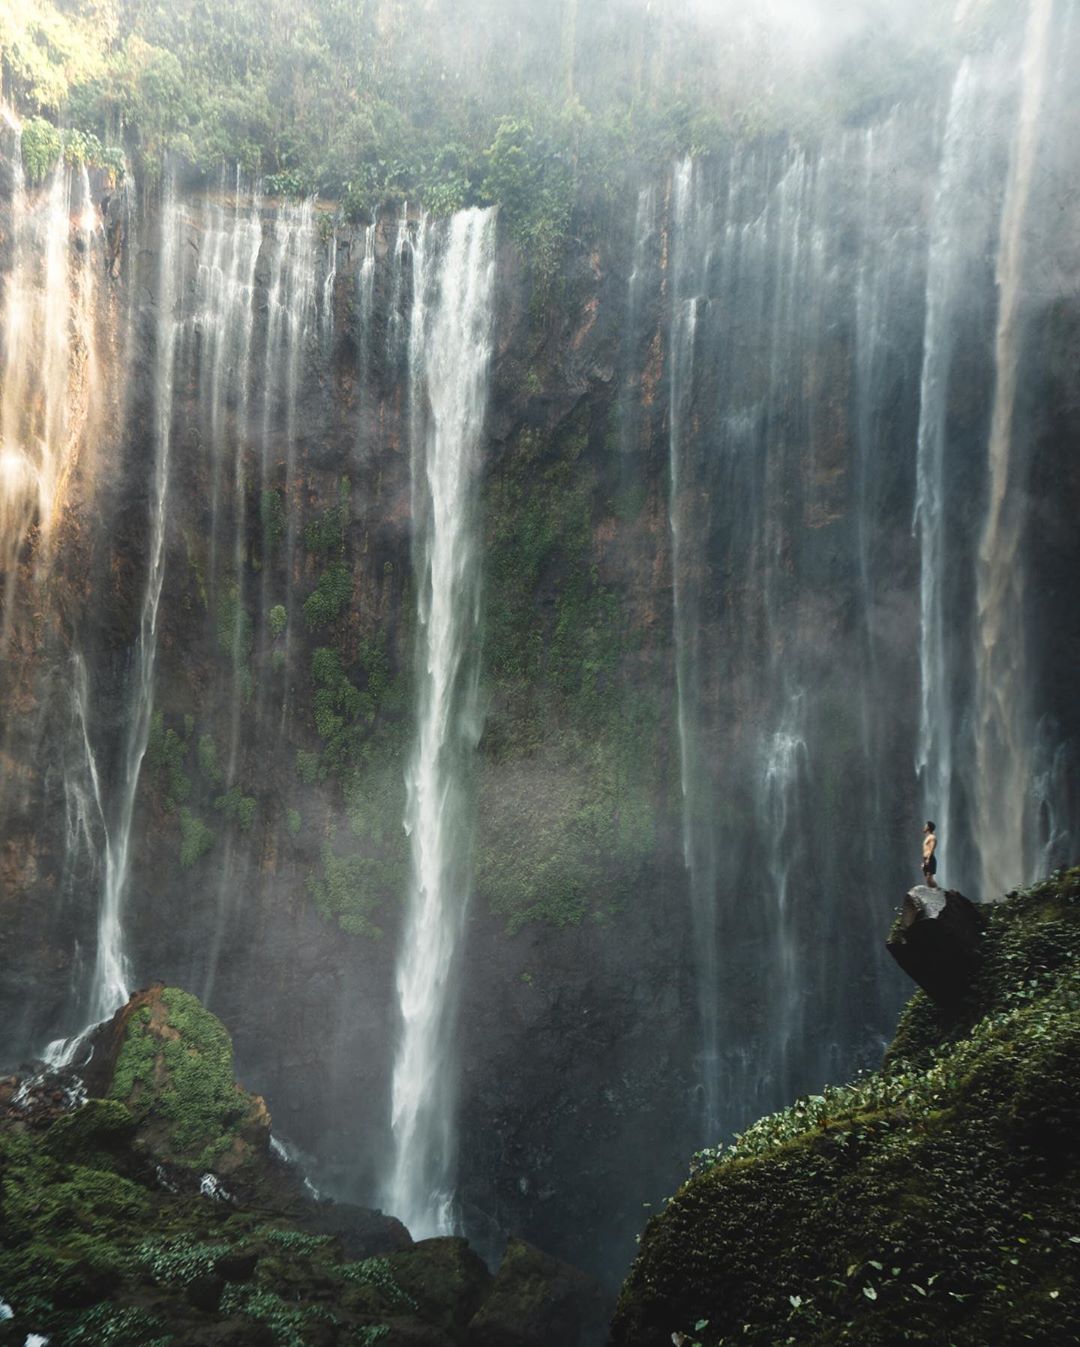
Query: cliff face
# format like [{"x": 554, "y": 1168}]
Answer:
[
  {"x": 934, "y": 1200},
  {"x": 268, "y": 863},
  {"x": 709, "y": 643}
]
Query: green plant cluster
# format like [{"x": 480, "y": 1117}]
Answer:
[
  {"x": 184, "y": 1079},
  {"x": 933, "y": 1202},
  {"x": 361, "y": 726},
  {"x": 294, "y": 1241},
  {"x": 325, "y": 535},
  {"x": 167, "y": 755},
  {"x": 236, "y": 636},
  {"x": 379, "y": 1273},
  {"x": 272, "y": 518},
  {"x": 178, "y": 1260},
  {"x": 94, "y": 1250},
  {"x": 45, "y": 145},
  {"x": 196, "y": 838},
  {"x": 237, "y": 807},
  {"x": 206, "y": 757},
  {"x": 349, "y": 890},
  {"x": 330, "y": 595}
]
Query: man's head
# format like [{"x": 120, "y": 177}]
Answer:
[{"x": 931, "y": 827}]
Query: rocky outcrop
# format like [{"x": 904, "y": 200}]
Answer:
[
  {"x": 156, "y": 1209},
  {"x": 537, "y": 1301},
  {"x": 937, "y": 941},
  {"x": 933, "y": 1201}
]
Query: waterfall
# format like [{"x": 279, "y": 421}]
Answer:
[
  {"x": 290, "y": 322},
  {"x": 699, "y": 839},
  {"x": 1004, "y": 728},
  {"x": 957, "y": 238},
  {"x": 792, "y": 280},
  {"x": 783, "y": 767},
  {"x": 890, "y": 272},
  {"x": 110, "y": 976},
  {"x": 48, "y": 362},
  {"x": 450, "y": 353},
  {"x": 221, "y": 325},
  {"x": 224, "y": 316},
  {"x": 328, "y": 292}
]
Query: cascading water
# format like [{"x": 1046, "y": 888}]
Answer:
[
  {"x": 987, "y": 744},
  {"x": 290, "y": 322},
  {"x": 450, "y": 353},
  {"x": 959, "y": 234},
  {"x": 111, "y": 977},
  {"x": 890, "y": 272},
  {"x": 48, "y": 365},
  {"x": 224, "y": 318},
  {"x": 773, "y": 694},
  {"x": 1004, "y": 723},
  {"x": 220, "y": 327},
  {"x": 699, "y": 837}
]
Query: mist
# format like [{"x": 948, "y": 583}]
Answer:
[{"x": 512, "y": 515}]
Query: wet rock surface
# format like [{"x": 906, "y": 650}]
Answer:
[{"x": 937, "y": 940}]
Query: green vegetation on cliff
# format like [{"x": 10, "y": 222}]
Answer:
[
  {"x": 936, "y": 1201},
  {"x": 536, "y": 107},
  {"x": 569, "y": 778},
  {"x": 108, "y": 1238}
]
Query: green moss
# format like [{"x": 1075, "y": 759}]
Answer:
[
  {"x": 196, "y": 839},
  {"x": 166, "y": 754},
  {"x": 96, "y": 1132},
  {"x": 277, "y": 619},
  {"x": 206, "y": 756},
  {"x": 331, "y": 594},
  {"x": 237, "y": 807},
  {"x": 349, "y": 890},
  {"x": 272, "y": 518},
  {"x": 236, "y": 636},
  {"x": 935, "y": 1201},
  {"x": 293, "y": 821},
  {"x": 184, "y": 1080}
]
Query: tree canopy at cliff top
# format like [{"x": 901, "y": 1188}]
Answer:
[{"x": 366, "y": 99}]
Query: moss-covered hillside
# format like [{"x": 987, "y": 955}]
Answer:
[
  {"x": 155, "y": 1214},
  {"x": 936, "y": 1201}
]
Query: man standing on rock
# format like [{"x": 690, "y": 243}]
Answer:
[{"x": 929, "y": 854}]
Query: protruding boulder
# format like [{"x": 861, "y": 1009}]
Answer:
[
  {"x": 171, "y": 1062},
  {"x": 937, "y": 941},
  {"x": 537, "y": 1301},
  {"x": 444, "y": 1280}
]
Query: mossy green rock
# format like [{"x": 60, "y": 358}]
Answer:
[
  {"x": 936, "y": 1201},
  {"x": 537, "y": 1301},
  {"x": 97, "y": 1133},
  {"x": 172, "y": 1068},
  {"x": 444, "y": 1279}
]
